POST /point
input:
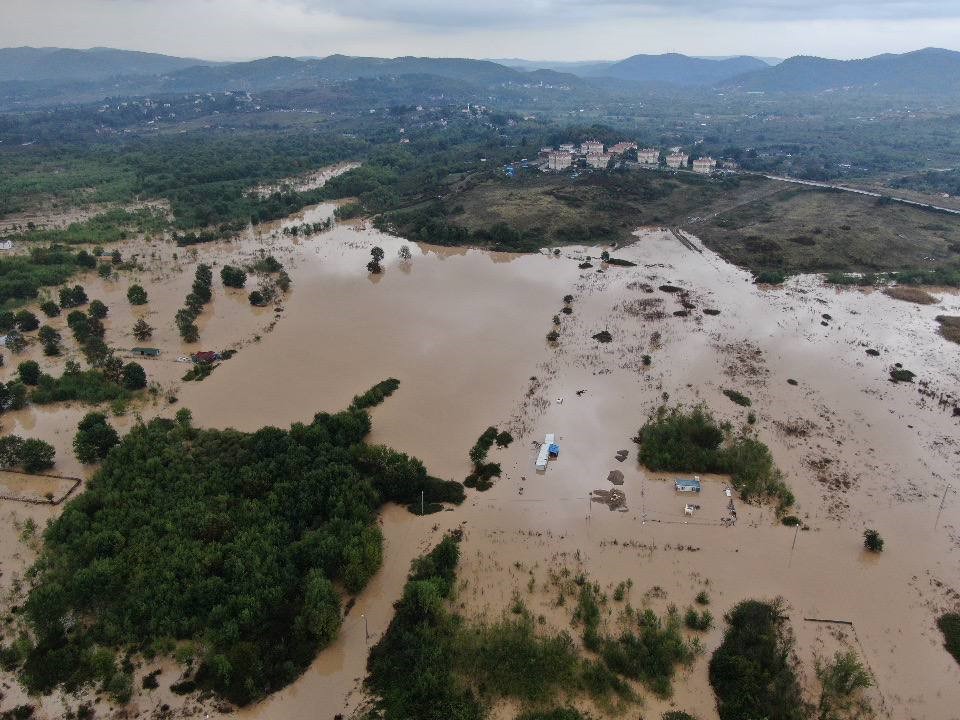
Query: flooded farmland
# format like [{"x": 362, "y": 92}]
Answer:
[{"x": 464, "y": 332}]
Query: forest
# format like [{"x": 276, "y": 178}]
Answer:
[{"x": 227, "y": 542}]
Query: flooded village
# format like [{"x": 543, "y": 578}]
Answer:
[{"x": 464, "y": 331}]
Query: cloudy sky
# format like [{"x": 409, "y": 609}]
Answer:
[{"x": 537, "y": 29}]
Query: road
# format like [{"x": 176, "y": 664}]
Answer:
[{"x": 870, "y": 193}]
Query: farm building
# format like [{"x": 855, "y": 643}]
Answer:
[
  {"x": 546, "y": 451},
  {"x": 685, "y": 485},
  {"x": 145, "y": 351},
  {"x": 205, "y": 356}
]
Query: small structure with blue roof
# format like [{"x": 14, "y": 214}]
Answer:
[{"x": 686, "y": 485}]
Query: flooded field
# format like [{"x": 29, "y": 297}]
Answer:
[{"x": 464, "y": 332}]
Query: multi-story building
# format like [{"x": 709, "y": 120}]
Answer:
[
  {"x": 622, "y": 147},
  {"x": 559, "y": 160},
  {"x": 648, "y": 156},
  {"x": 704, "y": 165},
  {"x": 589, "y": 147},
  {"x": 599, "y": 160},
  {"x": 568, "y": 147},
  {"x": 677, "y": 160}
]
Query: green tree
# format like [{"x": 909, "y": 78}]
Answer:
[
  {"x": 29, "y": 372},
  {"x": 50, "y": 308},
  {"x": 134, "y": 376},
  {"x": 233, "y": 276},
  {"x": 11, "y": 447},
  {"x": 142, "y": 330},
  {"x": 136, "y": 295},
  {"x": 94, "y": 439},
  {"x": 36, "y": 455},
  {"x": 16, "y": 342},
  {"x": 26, "y": 321},
  {"x": 98, "y": 309}
]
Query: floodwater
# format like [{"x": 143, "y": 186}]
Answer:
[{"x": 464, "y": 332}]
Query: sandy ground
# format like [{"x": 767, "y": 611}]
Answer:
[{"x": 464, "y": 332}]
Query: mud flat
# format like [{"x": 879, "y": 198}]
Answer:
[{"x": 464, "y": 331}]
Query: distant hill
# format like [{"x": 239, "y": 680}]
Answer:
[
  {"x": 676, "y": 69},
  {"x": 932, "y": 71},
  {"x": 667, "y": 69},
  {"x": 276, "y": 72},
  {"x": 32, "y": 64}
]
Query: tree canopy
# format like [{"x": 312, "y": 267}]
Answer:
[{"x": 226, "y": 539}]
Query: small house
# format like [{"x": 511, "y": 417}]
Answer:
[
  {"x": 205, "y": 356},
  {"x": 146, "y": 351},
  {"x": 684, "y": 485}
]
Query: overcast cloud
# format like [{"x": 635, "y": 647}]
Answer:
[{"x": 537, "y": 29}]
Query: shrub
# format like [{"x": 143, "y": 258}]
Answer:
[
  {"x": 233, "y": 276},
  {"x": 136, "y": 295},
  {"x": 698, "y": 620},
  {"x": 738, "y": 397},
  {"x": 504, "y": 439},
  {"x": 842, "y": 679},
  {"x": 375, "y": 395},
  {"x": 257, "y": 298},
  {"x": 50, "y": 308},
  {"x": 901, "y": 375},
  {"x": 553, "y": 336},
  {"x": 872, "y": 541},
  {"x": 703, "y": 598}
]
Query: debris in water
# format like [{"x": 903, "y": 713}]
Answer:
[
  {"x": 622, "y": 455},
  {"x": 615, "y": 477},
  {"x": 613, "y": 499}
]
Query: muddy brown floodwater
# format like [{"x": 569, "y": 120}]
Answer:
[{"x": 464, "y": 331}]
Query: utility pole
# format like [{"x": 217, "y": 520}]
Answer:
[
  {"x": 366, "y": 629},
  {"x": 797, "y": 532},
  {"x": 942, "y": 501},
  {"x": 421, "y": 502}
]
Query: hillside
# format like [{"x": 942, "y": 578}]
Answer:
[
  {"x": 34, "y": 64},
  {"x": 676, "y": 69},
  {"x": 931, "y": 70}
]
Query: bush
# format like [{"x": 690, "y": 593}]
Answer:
[
  {"x": 90, "y": 386},
  {"x": 375, "y": 395},
  {"x": 738, "y": 397},
  {"x": 872, "y": 541},
  {"x": 698, "y": 621},
  {"x": 553, "y": 336},
  {"x": 142, "y": 330},
  {"x": 94, "y": 439},
  {"x": 233, "y": 276},
  {"x": 703, "y": 598},
  {"x": 257, "y": 298},
  {"x": 752, "y": 672},
  {"x": 50, "y": 308},
  {"x": 29, "y": 372},
  {"x": 504, "y": 439},
  {"x": 26, "y": 321},
  {"x": 136, "y": 295}
]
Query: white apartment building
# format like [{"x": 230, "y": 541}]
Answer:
[
  {"x": 559, "y": 160},
  {"x": 648, "y": 156},
  {"x": 677, "y": 160},
  {"x": 704, "y": 165}
]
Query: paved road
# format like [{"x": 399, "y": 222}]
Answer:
[{"x": 857, "y": 191}]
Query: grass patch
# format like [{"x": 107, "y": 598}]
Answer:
[
  {"x": 910, "y": 294},
  {"x": 692, "y": 441},
  {"x": 738, "y": 397},
  {"x": 950, "y": 327}
]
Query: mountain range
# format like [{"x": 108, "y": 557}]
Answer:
[{"x": 30, "y": 72}]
